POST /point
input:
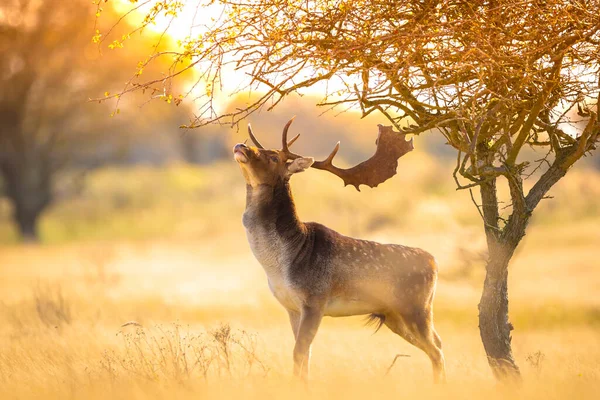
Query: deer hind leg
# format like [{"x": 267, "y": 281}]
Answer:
[
  {"x": 417, "y": 329},
  {"x": 436, "y": 355},
  {"x": 310, "y": 319}
]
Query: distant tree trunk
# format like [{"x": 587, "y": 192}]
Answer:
[
  {"x": 27, "y": 222},
  {"x": 199, "y": 148},
  {"x": 28, "y": 187}
]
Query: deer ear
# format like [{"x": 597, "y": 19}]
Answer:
[{"x": 300, "y": 164}]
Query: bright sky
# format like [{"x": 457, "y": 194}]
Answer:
[
  {"x": 190, "y": 23},
  {"x": 184, "y": 21}
]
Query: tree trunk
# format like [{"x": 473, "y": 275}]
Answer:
[
  {"x": 494, "y": 326},
  {"x": 28, "y": 186},
  {"x": 27, "y": 222}
]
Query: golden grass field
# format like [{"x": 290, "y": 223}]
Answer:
[{"x": 164, "y": 247}]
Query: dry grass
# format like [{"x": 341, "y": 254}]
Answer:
[
  {"x": 207, "y": 326},
  {"x": 165, "y": 354},
  {"x": 157, "y": 362},
  {"x": 63, "y": 338}
]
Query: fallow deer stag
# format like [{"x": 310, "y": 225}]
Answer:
[{"x": 314, "y": 271}]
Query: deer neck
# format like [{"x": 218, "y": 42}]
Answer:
[{"x": 274, "y": 231}]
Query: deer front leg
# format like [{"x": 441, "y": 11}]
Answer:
[{"x": 310, "y": 319}]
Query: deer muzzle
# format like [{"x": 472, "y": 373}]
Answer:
[{"x": 240, "y": 153}]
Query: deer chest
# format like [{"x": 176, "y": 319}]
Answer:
[
  {"x": 287, "y": 296},
  {"x": 268, "y": 251},
  {"x": 266, "y": 248}
]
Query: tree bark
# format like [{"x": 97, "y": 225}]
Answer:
[{"x": 494, "y": 325}]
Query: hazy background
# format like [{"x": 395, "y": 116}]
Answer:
[{"x": 143, "y": 224}]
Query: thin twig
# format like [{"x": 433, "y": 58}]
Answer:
[{"x": 394, "y": 362}]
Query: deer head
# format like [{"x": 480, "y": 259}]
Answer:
[{"x": 262, "y": 166}]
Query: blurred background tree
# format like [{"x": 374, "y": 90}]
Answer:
[
  {"x": 46, "y": 81},
  {"x": 47, "y": 124},
  {"x": 495, "y": 78},
  {"x": 37, "y": 77}
]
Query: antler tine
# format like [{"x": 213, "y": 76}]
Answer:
[
  {"x": 254, "y": 139},
  {"x": 328, "y": 161},
  {"x": 327, "y": 164},
  {"x": 284, "y": 142},
  {"x": 291, "y": 142}
]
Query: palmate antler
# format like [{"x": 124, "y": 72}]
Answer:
[{"x": 377, "y": 169}]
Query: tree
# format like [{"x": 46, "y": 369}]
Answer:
[
  {"x": 47, "y": 123},
  {"x": 41, "y": 98},
  {"x": 494, "y": 77}
]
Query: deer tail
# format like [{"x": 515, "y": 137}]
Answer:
[{"x": 375, "y": 319}]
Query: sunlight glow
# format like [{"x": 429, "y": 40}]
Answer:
[{"x": 191, "y": 22}]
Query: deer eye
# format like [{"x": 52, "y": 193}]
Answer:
[{"x": 274, "y": 159}]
